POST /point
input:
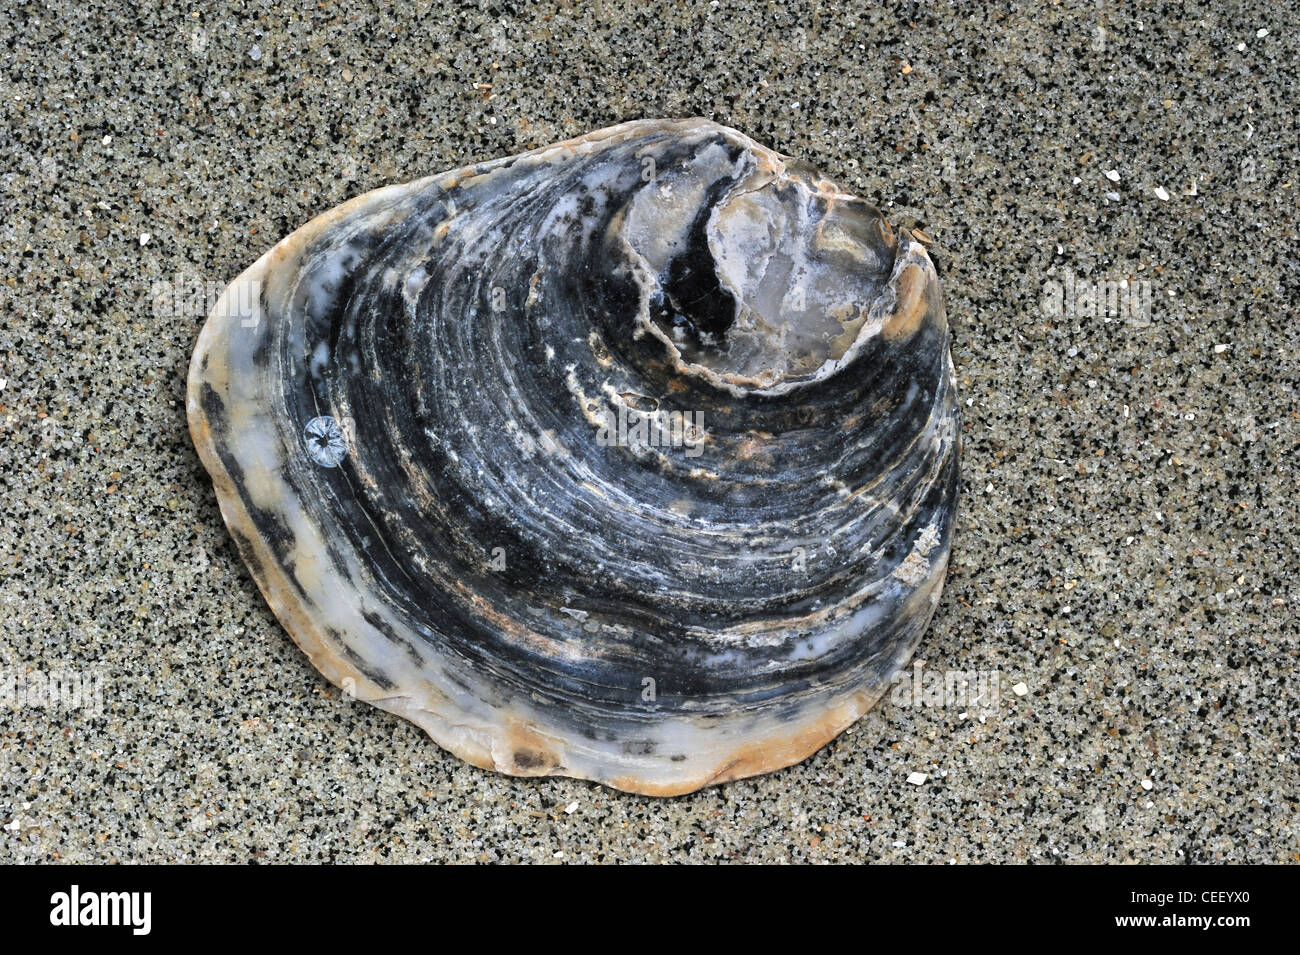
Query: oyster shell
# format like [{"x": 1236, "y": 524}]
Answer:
[{"x": 632, "y": 458}]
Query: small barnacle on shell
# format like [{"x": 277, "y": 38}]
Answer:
[
  {"x": 324, "y": 441},
  {"x": 632, "y": 458}
]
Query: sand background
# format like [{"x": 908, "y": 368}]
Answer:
[{"x": 1126, "y": 551}]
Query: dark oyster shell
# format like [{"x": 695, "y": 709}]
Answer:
[{"x": 633, "y": 458}]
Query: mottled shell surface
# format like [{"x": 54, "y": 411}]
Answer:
[{"x": 632, "y": 458}]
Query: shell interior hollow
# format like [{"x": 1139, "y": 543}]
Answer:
[{"x": 632, "y": 458}]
